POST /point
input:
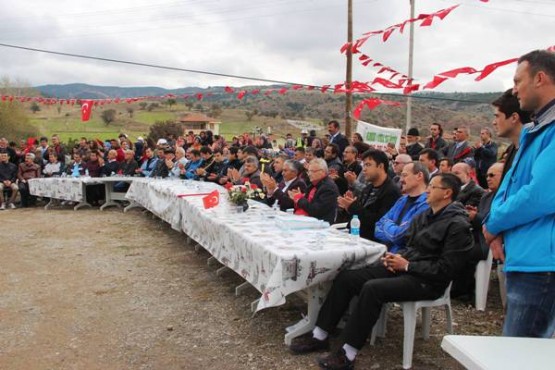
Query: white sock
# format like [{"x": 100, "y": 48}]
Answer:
[
  {"x": 350, "y": 352},
  {"x": 319, "y": 333}
]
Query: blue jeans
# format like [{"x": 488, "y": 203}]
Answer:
[{"x": 530, "y": 305}]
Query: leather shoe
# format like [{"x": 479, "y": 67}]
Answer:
[
  {"x": 336, "y": 361},
  {"x": 307, "y": 343}
]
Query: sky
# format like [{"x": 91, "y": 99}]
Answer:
[{"x": 295, "y": 41}]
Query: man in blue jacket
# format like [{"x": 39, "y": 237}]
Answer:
[
  {"x": 392, "y": 228},
  {"x": 523, "y": 211}
]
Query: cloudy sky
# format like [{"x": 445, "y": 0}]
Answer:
[{"x": 287, "y": 40}]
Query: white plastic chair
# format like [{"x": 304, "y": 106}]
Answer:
[
  {"x": 409, "y": 316},
  {"x": 482, "y": 276}
]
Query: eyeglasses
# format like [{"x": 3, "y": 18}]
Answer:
[{"x": 490, "y": 175}]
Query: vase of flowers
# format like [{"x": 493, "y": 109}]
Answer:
[{"x": 240, "y": 194}]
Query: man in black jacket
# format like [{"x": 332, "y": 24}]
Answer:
[
  {"x": 277, "y": 192},
  {"x": 337, "y": 138},
  {"x": 439, "y": 241},
  {"x": 376, "y": 198}
]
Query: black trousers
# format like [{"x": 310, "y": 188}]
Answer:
[{"x": 374, "y": 285}]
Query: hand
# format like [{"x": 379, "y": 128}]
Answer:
[
  {"x": 139, "y": 170},
  {"x": 351, "y": 177},
  {"x": 478, "y": 144},
  {"x": 497, "y": 249},
  {"x": 212, "y": 176},
  {"x": 472, "y": 211},
  {"x": 394, "y": 262},
  {"x": 292, "y": 193},
  {"x": 345, "y": 202},
  {"x": 487, "y": 235},
  {"x": 100, "y": 161},
  {"x": 181, "y": 166}
]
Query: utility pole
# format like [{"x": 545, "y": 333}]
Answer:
[
  {"x": 411, "y": 52},
  {"x": 349, "y": 77}
]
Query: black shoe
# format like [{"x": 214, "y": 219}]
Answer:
[
  {"x": 336, "y": 361},
  {"x": 307, "y": 343}
]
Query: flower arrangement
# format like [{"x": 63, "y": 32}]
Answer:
[{"x": 238, "y": 194}]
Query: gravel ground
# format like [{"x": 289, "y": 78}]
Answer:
[{"x": 107, "y": 290}]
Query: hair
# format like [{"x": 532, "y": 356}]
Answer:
[
  {"x": 488, "y": 130},
  {"x": 417, "y": 168},
  {"x": 334, "y": 123},
  {"x": 464, "y": 129},
  {"x": 293, "y": 165},
  {"x": 180, "y": 150},
  {"x": 300, "y": 149},
  {"x": 359, "y": 136},
  {"x": 321, "y": 163},
  {"x": 361, "y": 147},
  {"x": 448, "y": 160},
  {"x": 43, "y": 138},
  {"x": 540, "y": 60},
  {"x": 377, "y": 156},
  {"x": 252, "y": 160},
  {"x": 195, "y": 152},
  {"x": 440, "y": 128},
  {"x": 205, "y": 150},
  {"x": 334, "y": 148},
  {"x": 432, "y": 155},
  {"x": 355, "y": 150},
  {"x": 233, "y": 150},
  {"x": 310, "y": 150},
  {"x": 250, "y": 150},
  {"x": 508, "y": 104},
  {"x": 30, "y": 155},
  {"x": 450, "y": 181},
  {"x": 132, "y": 152},
  {"x": 219, "y": 151}
]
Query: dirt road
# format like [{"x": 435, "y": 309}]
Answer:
[{"x": 107, "y": 290}]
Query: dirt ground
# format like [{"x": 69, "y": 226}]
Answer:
[{"x": 107, "y": 290}]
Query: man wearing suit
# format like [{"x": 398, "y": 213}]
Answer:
[
  {"x": 485, "y": 154},
  {"x": 376, "y": 198},
  {"x": 290, "y": 180},
  {"x": 337, "y": 138},
  {"x": 460, "y": 149},
  {"x": 470, "y": 193},
  {"x": 413, "y": 145},
  {"x": 320, "y": 197}
]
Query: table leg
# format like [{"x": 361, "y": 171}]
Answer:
[
  {"x": 81, "y": 205},
  {"x": 241, "y": 288},
  {"x": 132, "y": 205},
  {"x": 308, "y": 322}
]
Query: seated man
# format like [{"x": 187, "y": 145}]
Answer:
[
  {"x": 149, "y": 163},
  {"x": 76, "y": 167},
  {"x": 111, "y": 167},
  {"x": 278, "y": 192},
  {"x": 129, "y": 165},
  {"x": 195, "y": 161},
  {"x": 251, "y": 173},
  {"x": 320, "y": 198},
  {"x": 53, "y": 167},
  {"x": 376, "y": 198},
  {"x": 26, "y": 171},
  {"x": 391, "y": 229},
  {"x": 180, "y": 162},
  {"x": 216, "y": 170},
  {"x": 471, "y": 193},
  {"x": 8, "y": 176},
  {"x": 439, "y": 241}
]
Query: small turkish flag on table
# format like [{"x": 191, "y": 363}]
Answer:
[
  {"x": 86, "y": 109},
  {"x": 211, "y": 200}
]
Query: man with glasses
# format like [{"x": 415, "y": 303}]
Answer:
[
  {"x": 400, "y": 161},
  {"x": 522, "y": 212},
  {"x": 438, "y": 246},
  {"x": 376, "y": 198},
  {"x": 277, "y": 192}
]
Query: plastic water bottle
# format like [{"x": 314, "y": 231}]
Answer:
[
  {"x": 355, "y": 227},
  {"x": 87, "y": 172}
]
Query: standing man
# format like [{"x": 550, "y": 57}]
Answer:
[
  {"x": 336, "y": 137},
  {"x": 436, "y": 140},
  {"x": 460, "y": 149},
  {"x": 523, "y": 210},
  {"x": 413, "y": 145},
  {"x": 508, "y": 121},
  {"x": 485, "y": 154}
]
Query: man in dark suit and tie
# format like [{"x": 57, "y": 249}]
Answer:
[
  {"x": 336, "y": 137},
  {"x": 460, "y": 149},
  {"x": 277, "y": 192}
]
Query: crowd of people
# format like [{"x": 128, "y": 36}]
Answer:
[{"x": 426, "y": 200}]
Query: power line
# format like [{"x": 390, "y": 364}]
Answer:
[{"x": 218, "y": 74}]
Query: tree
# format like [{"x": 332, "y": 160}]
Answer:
[
  {"x": 35, "y": 107},
  {"x": 130, "y": 110},
  {"x": 215, "y": 111},
  {"x": 171, "y": 102},
  {"x": 162, "y": 129},
  {"x": 143, "y": 105},
  {"x": 249, "y": 115},
  {"x": 151, "y": 106},
  {"x": 14, "y": 122},
  {"x": 108, "y": 116},
  {"x": 189, "y": 105}
]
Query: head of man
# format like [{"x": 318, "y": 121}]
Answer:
[
  {"x": 169, "y": 154},
  {"x": 278, "y": 163},
  {"x": 205, "y": 152},
  {"x": 316, "y": 143},
  {"x": 445, "y": 165},
  {"x": 412, "y": 135},
  {"x": 83, "y": 142},
  {"x": 309, "y": 154},
  {"x": 233, "y": 153},
  {"x": 350, "y": 154},
  {"x": 508, "y": 117},
  {"x": 485, "y": 135},
  {"x": 44, "y": 142},
  {"x": 436, "y": 130},
  {"x": 160, "y": 152},
  {"x": 317, "y": 170},
  {"x": 129, "y": 155},
  {"x": 442, "y": 190},
  {"x": 414, "y": 179},
  {"x": 218, "y": 155},
  {"x": 194, "y": 155},
  {"x": 251, "y": 165},
  {"x": 77, "y": 157},
  {"x": 179, "y": 152},
  {"x": 52, "y": 158},
  {"x": 356, "y": 138},
  {"x": 493, "y": 176},
  {"x": 331, "y": 152},
  {"x": 462, "y": 171},
  {"x": 93, "y": 157},
  {"x": 112, "y": 155},
  {"x": 375, "y": 165},
  {"x": 333, "y": 127},
  {"x": 534, "y": 80},
  {"x": 55, "y": 140},
  {"x": 29, "y": 158},
  {"x": 400, "y": 162},
  {"x": 4, "y": 158},
  {"x": 291, "y": 169},
  {"x": 429, "y": 158},
  {"x": 299, "y": 154},
  {"x": 149, "y": 153},
  {"x": 461, "y": 134}
]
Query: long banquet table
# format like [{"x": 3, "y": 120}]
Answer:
[{"x": 276, "y": 252}]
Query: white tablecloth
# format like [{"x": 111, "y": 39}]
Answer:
[
  {"x": 66, "y": 188},
  {"x": 275, "y": 261}
]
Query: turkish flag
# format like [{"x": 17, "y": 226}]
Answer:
[
  {"x": 211, "y": 200},
  {"x": 86, "y": 109}
]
